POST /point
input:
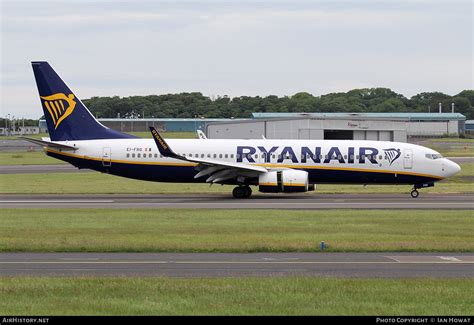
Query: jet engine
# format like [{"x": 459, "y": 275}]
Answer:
[{"x": 285, "y": 181}]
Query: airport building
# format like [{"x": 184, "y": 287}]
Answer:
[
  {"x": 349, "y": 126},
  {"x": 469, "y": 128}
]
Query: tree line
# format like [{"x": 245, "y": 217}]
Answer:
[{"x": 195, "y": 104}]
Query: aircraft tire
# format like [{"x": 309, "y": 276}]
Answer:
[
  {"x": 239, "y": 192},
  {"x": 414, "y": 194},
  {"x": 248, "y": 192}
]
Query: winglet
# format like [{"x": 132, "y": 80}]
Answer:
[
  {"x": 201, "y": 135},
  {"x": 163, "y": 147}
]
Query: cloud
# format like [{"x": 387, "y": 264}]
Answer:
[{"x": 235, "y": 47}]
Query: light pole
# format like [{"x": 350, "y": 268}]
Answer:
[{"x": 6, "y": 123}]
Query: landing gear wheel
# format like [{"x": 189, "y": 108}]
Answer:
[
  {"x": 239, "y": 192},
  {"x": 414, "y": 194},
  {"x": 248, "y": 192}
]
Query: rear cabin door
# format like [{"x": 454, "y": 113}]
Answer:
[
  {"x": 408, "y": 159},
  {"x": 106, "y": 157}
]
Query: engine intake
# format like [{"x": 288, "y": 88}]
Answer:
[{"x": 286, "y": 181}]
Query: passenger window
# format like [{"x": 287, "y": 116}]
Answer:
[
  {"x": 232, "y": 156},
  {"x": 226, "y": 156},
  {"x": 138, "y": 155},
  {"x": 220, "y": 155},
  {"x": 128, "y": 155},
  {"x": 208, "y": 155},
  {"x": 156, "y": 155},
  {"x": 150, "y": 155},
  {"x": 215, "y": 155},
  {"x": 133, "y": 155}
]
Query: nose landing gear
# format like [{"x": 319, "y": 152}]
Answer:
[
  {"x": 242, "y": 192},
  {"x": 414, "y": 192}
]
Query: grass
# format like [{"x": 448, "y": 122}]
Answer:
[
  {"x": 27, "y": 158},
  {"x": 97, "y": 183},
  {"x": 206, "y": 230},
  {"x": 455, "y": 140},
  {"x": 234, "y": 296}
]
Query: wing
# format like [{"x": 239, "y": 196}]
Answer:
[{"x": 217, "y": 170}]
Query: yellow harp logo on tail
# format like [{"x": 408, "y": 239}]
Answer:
[{"x": 59, "y": 106}]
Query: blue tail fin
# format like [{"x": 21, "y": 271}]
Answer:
[{"x": 66, "y": 116}]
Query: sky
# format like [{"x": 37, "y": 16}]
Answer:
[{"x": 234, "y": 48}]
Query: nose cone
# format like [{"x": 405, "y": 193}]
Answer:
[{"x": 452, "y": 168}]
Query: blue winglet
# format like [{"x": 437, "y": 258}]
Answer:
[{"x": 163, "y": 147}]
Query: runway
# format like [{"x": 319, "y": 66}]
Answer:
[
  {"x": 350, "y": 265},
  {"x": 34, "y": 169},
  {"x": 226, "y": 201}
]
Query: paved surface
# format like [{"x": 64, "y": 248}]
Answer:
[
  {"x": 33, "y": 169},
  {"x": 226, "y": 201},
  {"x": 17, "y": 145},
  {"x": 363, "y": 265}
]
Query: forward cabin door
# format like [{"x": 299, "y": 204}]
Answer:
[
  {"x": 408, "y": 159},
  {"x": 106, "y": 157}
]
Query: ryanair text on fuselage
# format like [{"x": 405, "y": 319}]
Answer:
[{"x": 362, "y": 154}]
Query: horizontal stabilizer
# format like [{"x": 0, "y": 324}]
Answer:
[{"x": 49, "y": 144}]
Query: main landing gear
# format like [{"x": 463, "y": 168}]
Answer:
[{"x": 242, "y": 192}]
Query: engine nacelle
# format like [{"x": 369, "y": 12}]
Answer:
[{"x": 286, "y": 181}]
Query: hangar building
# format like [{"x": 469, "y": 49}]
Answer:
[{"x": 350, "y": 126}]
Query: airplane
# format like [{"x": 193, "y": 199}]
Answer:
[{"x": 275, "y": 166}]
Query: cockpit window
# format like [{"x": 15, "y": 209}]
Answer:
[{"x": 433, "y": 156}]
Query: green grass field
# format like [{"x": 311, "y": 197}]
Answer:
[
  {"x": 234, "y": 296},
  {"x": 27, "y": 158},
  {"x": 206, "y": 230}
]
